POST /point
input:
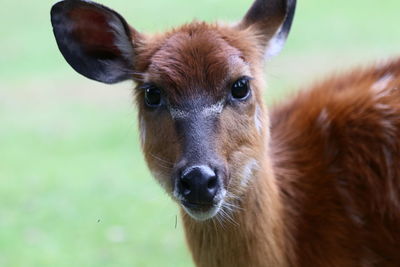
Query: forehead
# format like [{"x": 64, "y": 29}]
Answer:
[{"x": 196, "y": 60}]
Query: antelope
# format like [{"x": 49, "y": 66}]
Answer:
[{"x": 314, "y": 181}]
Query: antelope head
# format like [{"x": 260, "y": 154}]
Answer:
[{"x": 204, "y": 128}]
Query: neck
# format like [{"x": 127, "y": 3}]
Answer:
[{"x": 253, "y": 236}]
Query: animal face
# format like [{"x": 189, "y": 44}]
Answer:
[
  {"x": 198, "y": 104},
  {"x": 202, "y": 120}
]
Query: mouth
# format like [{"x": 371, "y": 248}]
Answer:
[
  {"x": 199, "y": 190},
  {"x": 201, "y": 212}
]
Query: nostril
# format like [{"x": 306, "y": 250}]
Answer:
[
  {"x": 198, "y": 184},
  {"x": 212, "y": 183},
  {"x": 186, "y": 187}
]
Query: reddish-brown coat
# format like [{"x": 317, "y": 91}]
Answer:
[
  {"x": 336, "y": 155},
  {"x": 315, "y": 183},
  {"x": 331, "y": 196}
]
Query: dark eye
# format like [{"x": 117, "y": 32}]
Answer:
[
  {"x": 241, "y": 89},
  {"x": 152, "y": 96}
]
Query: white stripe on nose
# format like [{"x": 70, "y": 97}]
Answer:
[{"x": 206, "y": 111}]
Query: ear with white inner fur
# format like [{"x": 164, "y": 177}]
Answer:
[
  {"x": 95, "y": 40},
  {"x": 272, "y": 20}
]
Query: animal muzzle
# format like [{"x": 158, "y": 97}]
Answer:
[
  {"x": 198, "y": 186},
  {"x": 199, "y": 174}
]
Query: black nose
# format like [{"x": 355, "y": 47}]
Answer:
[{"x": 198, "y": 185}]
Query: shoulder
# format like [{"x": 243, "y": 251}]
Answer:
[
  {"x": 364, "y": 100},
  {"x": 346, "y": 128}
]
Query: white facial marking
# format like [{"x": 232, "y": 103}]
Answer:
[
  {"x": 380, "y": 86},
  {"x": 248, "y": 172},
  {"x": 258, "y": 120},
  {"x": 211, "y": 110},
  {"x": 178, "y": 113}
]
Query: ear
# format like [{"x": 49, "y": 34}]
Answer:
[
  {"x": 271, "y": 20},
  {"x": 95, "y": 40}
]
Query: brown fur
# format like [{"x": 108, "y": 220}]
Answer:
[
  {"x": 314, "y": 183},
  {"x": 331, "y": 197},
  {"x": 198, "y": 53},
  {"x": 187, "y": 63},
  {"x": 336, "y": 153}
]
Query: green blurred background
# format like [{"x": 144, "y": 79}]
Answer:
[{"x": 74, "y": 189}]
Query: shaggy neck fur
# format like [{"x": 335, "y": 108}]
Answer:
[{"x": 254, "y": 236}]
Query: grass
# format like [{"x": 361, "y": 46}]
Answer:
[
  {"x": 74, "y": 187},
  {"x": 75, "y": 190}
]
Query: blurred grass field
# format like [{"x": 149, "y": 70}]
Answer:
[{"x": 74, "y": 189}]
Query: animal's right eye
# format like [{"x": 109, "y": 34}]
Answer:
[
  {"x": 241, "y": 89},
  {"x": 152, "y": 96}
]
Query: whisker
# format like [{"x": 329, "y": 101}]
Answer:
[
  {"x": 228, "y": 216},
  {"x": 220, "y": 221},
  {"x": 163, "y": 166},
  {"x": 162, "y": 162},
  {"x": 161, "y": 159}
]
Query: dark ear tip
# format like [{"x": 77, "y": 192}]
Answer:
[
  {"x": 57, "y": 8},
  {"x": 65, "y": 4},
  {"x": 60, "y": 4}
]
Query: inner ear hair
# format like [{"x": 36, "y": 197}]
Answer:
[{"x": 272, "y": 21}]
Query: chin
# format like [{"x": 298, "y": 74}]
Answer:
[{"x": 202, "y": 213}]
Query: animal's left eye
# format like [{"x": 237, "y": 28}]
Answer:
[
  {"x": 241, "y": 88},
  {"x": 152, "y": 96}
]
